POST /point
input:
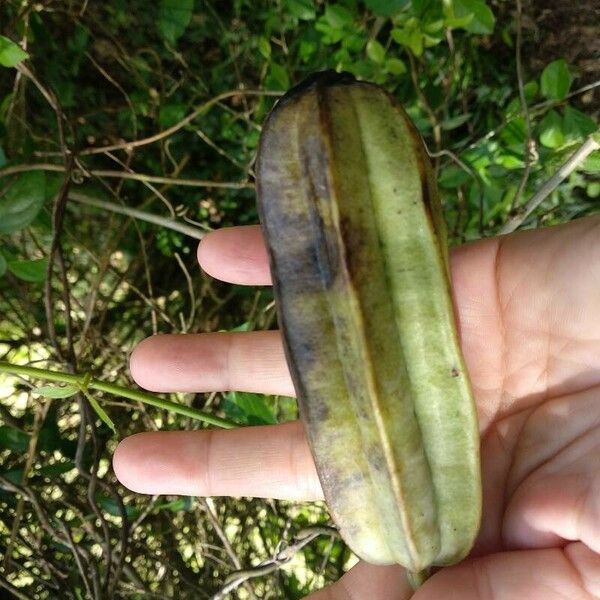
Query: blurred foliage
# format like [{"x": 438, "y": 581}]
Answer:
[{"x": 80, "y": 84}]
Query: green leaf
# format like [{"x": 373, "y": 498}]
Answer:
[
  {"x": 184, "y": 504},
  {"x": 13, "y": 439},
  {"x": 301, "y": 9},
  {"x": 278, "y": 78},
  {"x": 173, "y": 18},
  {"x": 592, "y": 163},
  {"x": 386, "y": 8},
  {"x": 483, "y": 20},
  {"x": 577, "y": 125},
  {"x": 457, "y": 121},
  {"x": 264, "y": 47},
  {"x": 11, "y": 54},
  {"x": 375, "y": 51},
  {"x": 102, "y": 414},
  {"x": 111, "y": 506},
  {"x": 411, "y": 37},
  {"x": 422, "y": 7},
  {"x": 14, "y": 476},
  {"x": 513, "y": 109},
  {"x": 416, "y": 42},
  {"x": 531, "y": 89},
  {"x": 56, "y": 469},
  {"x": 556, "y": 80},
  {"x": 434, "y": 27},
  {"x": 249, "y": 409},
  {"x": 306, "y": 50},
  {"x": 363, "y": 69},
  {"x": 338, "y": 16},
  {"x": 458, "y": 22},
  {"x": 3, "y": 265},
  {"x": 551, "y": 132},
  {"x": 509, "y": 161},
  {"x": 32, "y": 271},
  {"x": 453, "y": 177},
  {"x": 354, "y": 42},
  {"x": 4, "y": 106},
  {"x": 22, "y": 201},
  {"x": 245, "y": 326},
  {"x": 593, "y": 189},
  {"x": 515, "y": 132},
  {"x": 170, "y": 114},
  {"x": 56, "y": 391},
  {"x": 330, "y": 35},
  {"x": 395, "y": 66}
]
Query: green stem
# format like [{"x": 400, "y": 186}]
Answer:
[
  {"x": 418, "y": 578},
  {"x": 117, "y": 390}
]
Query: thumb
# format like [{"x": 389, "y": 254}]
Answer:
[
  {"x": 366, "y": 581},
  {"x": 569, "y": 573}
]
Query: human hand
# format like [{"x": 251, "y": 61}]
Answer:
[{"x": 528, "y": 309}]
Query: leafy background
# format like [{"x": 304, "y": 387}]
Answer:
[{"x": 94, "y": 106}]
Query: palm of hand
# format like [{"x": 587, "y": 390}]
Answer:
[{"x": 528, "y": 317}]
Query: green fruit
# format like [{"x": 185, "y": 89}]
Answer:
[{"x": 358, "y": 252}]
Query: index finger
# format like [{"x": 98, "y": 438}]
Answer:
[{"x": 236, "y": 255}]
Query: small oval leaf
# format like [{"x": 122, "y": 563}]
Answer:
[
  {"x": 54, "y": 391},
  {"x": 11, "y": 54},
  {"x": 482, "y": 21},
  {"x": 551, "y": 132},
  {"x": 22, "y": 201},
  {"x": 556, "y": 80},
  {"x": 32, "y": 271},
  {"x": 174, "y": 18},
  {"x": 375, "y": 51}
]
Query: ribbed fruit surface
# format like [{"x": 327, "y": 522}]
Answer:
[{"x": 357, "y": 244}]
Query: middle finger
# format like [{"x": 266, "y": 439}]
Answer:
[{"x": 207, "y": 362}]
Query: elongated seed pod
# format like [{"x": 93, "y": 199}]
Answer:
[{"x": 359, "y": 259}]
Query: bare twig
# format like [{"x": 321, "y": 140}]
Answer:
[
  {"x": 126, "y": 175},
  {"x": 218, "y": 149},
  {"x": 57, "y": 216},
  {"x": 435, "y": 124},
  {"x": 187, "y": 326},
  {"x": 112, "y": 80},
  {"x": 166, "y": 222},
  {"x": 40, "y": 415},
  {"x": 550, "y": 185},
  {"x": 58, "y": 213},
  {"x": 529, "y": 142},
  {"x": 186, "y": 121},
  {"x": 214, "y": 519},
  {"x": 26, "y": 492},
  {"x": 282, "y": 557},
  {"x": 121, "y": 281},
  {"x": 77, "y": 557},
  {"x": 149, "y": 185},
  {"x": 467, "y": 169},
  {"x": 55, "y": 105}
]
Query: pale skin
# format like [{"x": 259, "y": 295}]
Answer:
[{"x": 528, "y": 308}]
